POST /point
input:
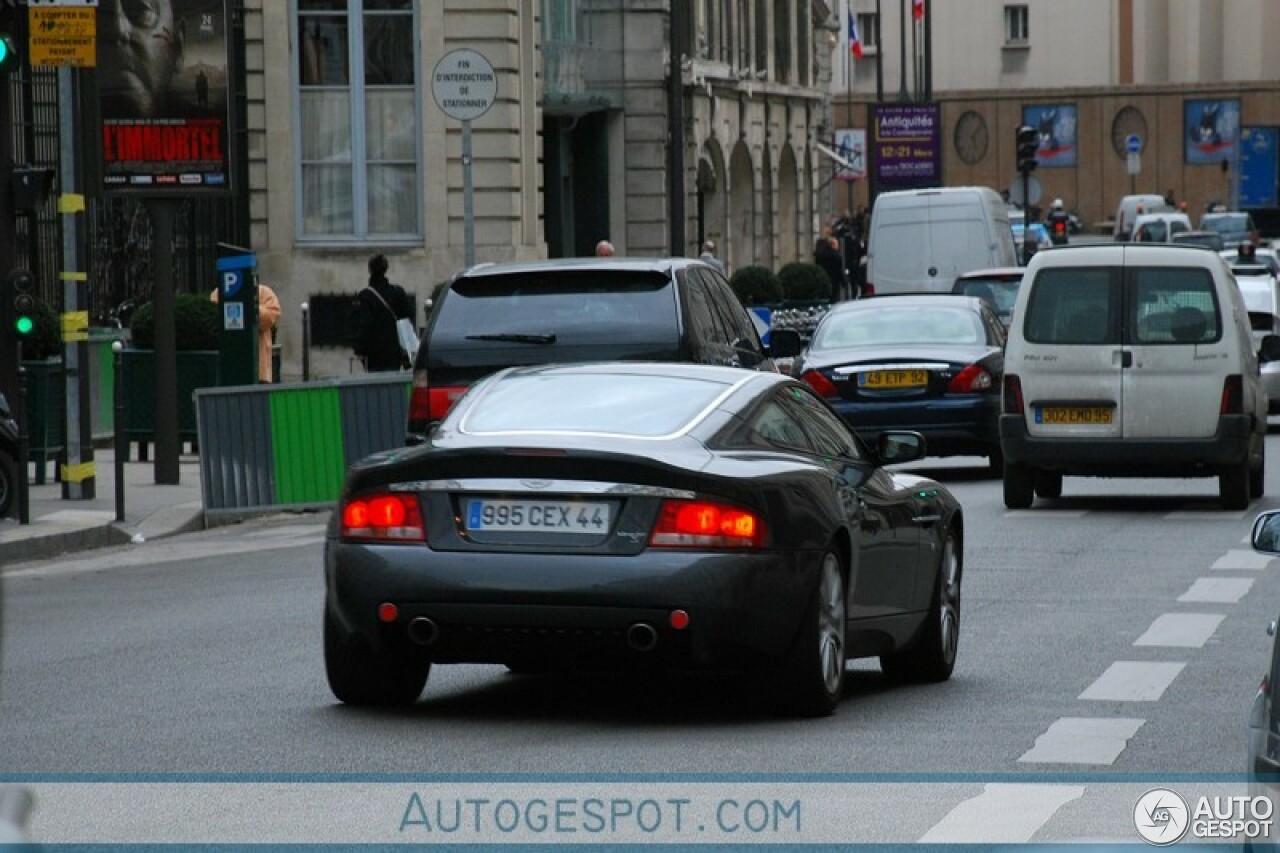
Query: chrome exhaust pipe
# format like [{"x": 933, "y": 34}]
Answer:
[
  {"x": 642, "y": 637},
  {"x": 423, "y": 631}
]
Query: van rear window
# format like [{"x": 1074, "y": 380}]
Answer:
[
  {"x": 577, "y": 307},
  {"x": 1173, "y": 306},
  {"x": 1077, "y": 305}
]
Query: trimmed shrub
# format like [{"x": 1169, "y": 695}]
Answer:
[
  {"x": 195, "y": 318},
  {"x": 801, "y": 280},
  {"x": 45, "y": 340},
  {"x": 756, "y": 285}
]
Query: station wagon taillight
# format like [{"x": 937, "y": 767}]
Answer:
[
  {"x": 1233, "y": 395},
  {"x": 706, "y": 524},
  {"x": 820, "y": 383},
  {"x": 1011, "y": 401},
  {"x": 970, "y": 380},
  {"x": 390, "y": 517}
]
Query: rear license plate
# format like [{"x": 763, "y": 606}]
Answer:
[
  {"x": 1074, "y": 415},
  {"x": 519, "y": 516},
  {"x": 893, "y": 379}
]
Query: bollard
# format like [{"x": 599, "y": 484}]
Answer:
[
  {"x": 306, "y": 343},
  {"x": 122, "y": 443}
]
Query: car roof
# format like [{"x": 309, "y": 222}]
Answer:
[
  {"x": 1090, "y": 254},
  {"x": 993, "y": 272},
  {"x": 1235, "y": 250},
  {"x": 948, "y": 300},
  {"x": 1161, "y": 216},
  {"x": 611, "y": 264},
  {"x": 709, "y": 372}
]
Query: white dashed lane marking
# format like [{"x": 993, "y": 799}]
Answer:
[
  {"x": 1203, "y": 515},
  {"x": 1002, "y": 814},
  {"x": 1133, "y": 681},
  {"x": 1181, "y": 630},
  {"x": 1082, "y": 740},
  {"x": 1247, "y": 560},
  {"x": 1217, "y": 591}
]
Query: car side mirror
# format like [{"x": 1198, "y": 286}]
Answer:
[
  {"x": 893, "y": 447},
  {"x": 785, "y": 343},
  {"x": 1270, "y": 348},
  {"x": 1266, "y": 532}
]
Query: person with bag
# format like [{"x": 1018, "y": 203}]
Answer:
[{"x": 384, "y": 311}]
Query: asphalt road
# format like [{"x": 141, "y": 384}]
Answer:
[{"x": 1131, "y": 605}]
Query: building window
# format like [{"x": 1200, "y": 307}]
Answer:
[
  {"x": 1017, "y": 24},
  {"x": 869, "y": 31},
  {"x": 357, "y": 120},
  {"x": 761, "y": 24},
  {"x": 782, "y": 42}
]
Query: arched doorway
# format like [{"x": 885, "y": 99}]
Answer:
[
  {"x": 713, "y": 198},
  {"x": 742, "y": 206},
  {"x": 788, "y": 207}
]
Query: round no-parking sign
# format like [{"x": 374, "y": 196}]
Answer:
[{"x": 464, "y": 85}]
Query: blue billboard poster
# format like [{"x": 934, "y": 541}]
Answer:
[
  {"x": 1210, "y": 129},
  {"x": 1258, "y": 167},
  {"x": 907, "y": 146},
  {"x": 1056, "y": 124}
]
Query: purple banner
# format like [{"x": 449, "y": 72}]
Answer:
[{"x": 907, "y": 146}]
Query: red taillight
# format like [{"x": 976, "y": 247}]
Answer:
[
  {"x": 1060, "y": 227},
  {"x": 1012, "y": 398},
  {"x": 1233, "y": 395},
  {"x": 440, "y": 400},
  {"x": 383, "y": 517},
  {"x": 820, "y": 383},
  {"x": 970, "y": 380},
  {"x": 868, "y": 289},
  {"x": 703, "y": 524}
]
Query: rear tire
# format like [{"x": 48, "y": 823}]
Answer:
[
  {"x": 1258, "y": 476},
  {"x": 360, "y": 676},
  {"x": 813, "y": 670},
  {"x": 1019, "y": 486},
  {"x": 932, "y": 655},
  {"x": 1048, "y": 484},
  {"x": 1233, "y": 486},
  {"x": 8, "y": 483}
]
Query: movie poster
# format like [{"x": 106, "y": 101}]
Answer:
[
  {"x": 1056, "y": 124},
  {"x": 1211, "y": 128},
  {"x": 164, "y": 95}
]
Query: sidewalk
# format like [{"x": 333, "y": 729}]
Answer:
[{"x": 151, "y": 511}]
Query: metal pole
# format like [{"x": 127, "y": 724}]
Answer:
[
  {"x": 915, "y": 58},
  {"x": 903, "y": 94},
  {"x": 468, "y": 199},
  {"x": 24, "y": 444},
  {"x": 306, "y": 342},
  {"x": 78, "y": 477},
  {"x": 166, "y": 348},
  {"x": 928, "y": 50},
  {"x": 675, "y": 129},
  {"x": 879, "y": 56},
  {"x": 121, "y": 441}
]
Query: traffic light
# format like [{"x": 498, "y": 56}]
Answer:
[
  {"x": 20, "y": 304},
  {"x": 8, "y": 52},
  {"x": 1028, "y": 144},
  {"x": 9, "y": 40}
]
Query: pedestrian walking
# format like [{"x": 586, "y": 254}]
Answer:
[
  {"x": 380, "y": 306},
  {"x": 708, "y": 256},
  {"x": 827, "y": 254}
]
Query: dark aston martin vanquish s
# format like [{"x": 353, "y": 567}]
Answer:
[{"x": 642, "y": 514}]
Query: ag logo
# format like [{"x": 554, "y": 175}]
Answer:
[{"x": 1161, "y": 816}]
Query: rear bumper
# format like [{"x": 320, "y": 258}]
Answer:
[
  {"x": 951, "y": 425},
  {"x": 1167, "y": 457}
]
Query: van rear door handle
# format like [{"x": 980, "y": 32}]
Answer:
[{"x": 1126, "y": 359}]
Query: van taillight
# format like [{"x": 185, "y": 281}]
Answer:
[
  {"x": 868, "y": 289},
  {"x": 1012, "y": 397},
  {"x": 1233, "y": 395},
  {"x": 824, "y": 386}
]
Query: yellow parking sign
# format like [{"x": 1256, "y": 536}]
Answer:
[{"x": 63, "y": 35}]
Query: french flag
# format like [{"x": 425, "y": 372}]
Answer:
[
  {"x": 917, "y": 10},
  {"x": 855, "y": 43}
]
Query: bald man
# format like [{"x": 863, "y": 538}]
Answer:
[{"x": 604, "y": 249}]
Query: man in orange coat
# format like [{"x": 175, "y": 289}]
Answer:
[{"x": 268, "y": 316}]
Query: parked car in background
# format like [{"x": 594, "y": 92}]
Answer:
[
  {"x": 1203, "y": 239},
  {"x": 1130, "y": 207},
  {"x": 1263, "y": 765},
  {"x": 1131, "y": 360},
  {"x": 642, "y": 515},
  {"x": 928, "y": 363},
  {"x": 1261, "y": 292},
  {"x": 1251, "y": 255},
  {"x": 1235, "y": 226},
  {"x": 1040, "y": 239},
  {"x": 586, "y": 309},
  {"x": 999, "y": 287},
  {"x": 1159, "y": 227}
]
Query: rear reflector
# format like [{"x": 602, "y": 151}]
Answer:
[
  {"x": 383, "y": 517},
  {"x": 704, "y": 524},
  {"x": 820, "y": 383},
  {"x": 1012, "y": 400},
  {"x": 970, "y": 380},
  {"x": 388, "y": 612}
]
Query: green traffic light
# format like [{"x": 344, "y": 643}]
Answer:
[
  {"x": 7, "y": 52},
  {"x": 24, "y": 325}
]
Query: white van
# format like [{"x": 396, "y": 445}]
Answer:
[
  {"x": 922, "y": 240},
  {"x": 1132, "y": 206},
  {"x": 1131, "y": 360}
]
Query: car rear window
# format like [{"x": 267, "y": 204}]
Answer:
[
  {"x": 999, "y": 293},
  {"x": 882, "y": 325},
  {"x": 627, "y": 405},
  {"x": 577, "y": 307},
  {"x": 1162, "y": 305}
]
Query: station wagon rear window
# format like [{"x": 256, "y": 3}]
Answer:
[
  {"x": 1160, "y": 305},
  {"x": 576, "y": 307}
]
